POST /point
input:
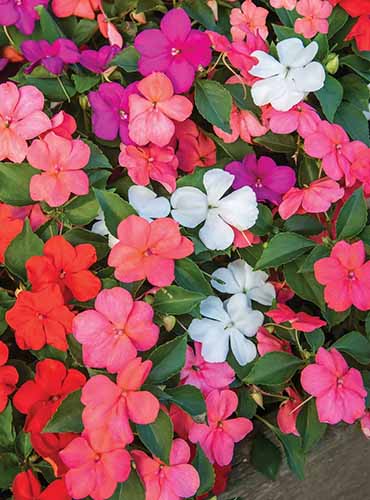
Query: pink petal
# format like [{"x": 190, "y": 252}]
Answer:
[
  {"x": 330, "y": 407},
  {"x": 317, "y": 380},
  {"x": 32, "y": 125},
  {"x": 222, "y": 447},
  {"x": 115, "y": 304},
  {"x": 184, "y": 479},
  {"x": 238, "y": 428},
  {"x": 143, "y": 407},
  {"x": 180, "y": 452}
]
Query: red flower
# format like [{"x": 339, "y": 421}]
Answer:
[
  {"x": 41, "y": 318},
  {"x": 9, "y": 228},
  {"x": 67, "y": 266},
  {"x": 299, "y": 321},
  {"x": 41, "y": 397},
  {"x": 8, "y": 377},
  {"x": 26, "y": 486},
  {"x": 48, "y": 445},
  {"x": 361, "y": 33}
]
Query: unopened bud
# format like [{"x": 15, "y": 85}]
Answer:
[
  {"x": 20, "y": 289},
  {"x": 270, "y": 328},
  {"x": 265, "y": 245},
  {"x": 149, "y": 299},
  {"x": 257, "y": 398},
  {"x": 332, "y": 63},
  {"x": 84, "y": 102},
  {"x": 139, "y": 17},
  {"x": 169, "y": 323}
]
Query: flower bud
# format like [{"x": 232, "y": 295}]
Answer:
[
  {"x": 84, "y": 102},
  {"x": 332, "y": 63},
  {"x": 257, "y": 398},
  {"x": 169, "y": 323}
]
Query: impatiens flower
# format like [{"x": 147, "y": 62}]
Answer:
[
  {"x": 284, "y": 84},
  {"x": 300, "y": 321},
  {"x": 365, "y": 424},
  {"x": 218, "y": 437},
  {"x": 181, "y": 421},
  {"x": 98, "y": 61},
  {"x": 100, "y": 227},
  {"x": 150, "y": 162},
  {"x": 301, "y": 118},
  {"x": 338, "y": 389},
  {"x": 172, "y": 481},
  {"x": 20, "y": 13},
  {"x": 361, "y": 32},
  {"x": 40, "y": 398},
  {"x": 21, "y": 118},
  {"x": 79, "y": 8},
  {"x": 283, "y": 4},
  {"x": 191, "y": 207},
  {"x": 360, "y": 169},
  {"x": 206, "y": 376},
  {"x": 346, "y": 277},
  {"x": 266, "y": 342},
  {"x": 67, "y": 266},
  {"x": 239, "y": 277},
  {"x": 175, "y": 49},
  {"x": 49, "y": 444},
  {"x": 243, "y": 124},
  {"x": 96, "y": 464},
  {"x": 224, "y": 324},
  {"x": 249, "y": 18},
  {"x": 314, "y": 199},
  {"x": 243, "y": 239},
  {"x": 53, "y": 56},
  {"x": 110, "y": 406},
  {"x": 63, "y": 124},
  {"x": 315, "y": 17},
  {"x": 153, "y": 112},
  {"x": 267, "y": 180},
  {"x": 147, "y": 204},
  {"x": 287, "y": 415},
  {"x": 41, "y": 318},
  {"x": 109, "y": 30},
  {"x": 195, "y": 149},
  {"x": 8, "y": 377},
  {"x": 113, "y": 332},
  {"x": 148, "y": 250},
  {"x": 26, "y": 486},
  {"x": 10, "y": 227}
]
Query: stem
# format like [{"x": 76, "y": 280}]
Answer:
[
  {"x": 63, "y": 89},
  {"x": 300, "y": 348},
  {"x": 236, "y": 74},
  {"x": 11, "y": 41},
  {"x": 215, "y": 63},
  {"x": 300, "y": 405},
  {"x": 182, "y": 326},
  {"x": 279, "y": 326},
  {"x": 270, "y": 426}
]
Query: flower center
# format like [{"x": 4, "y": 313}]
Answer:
[
  {"x": 57, "y": 168},
  {"x": 123, "y": 115},
  {"x": 338, "y": 147},
  {"x": 62, "y": 275},
  {"x": 340, "y": 383},
  {"x": 40, "y": 317},
  {"x": 54, "y": 398},
  {"x": 148, "y": 253},
  {"x": 97, "y": 457},
  {"x": 18, "y": 2},
  {"x": 195, "y": 368},
  {"x": 258, "y": 183},
  {"x": 220, "y": 424},
  {"x": 151, "y": 159},
  {"x": 175, "y": 52},
  {"x": 351, "y": 275},
  {"x": 118, "y": 332}
]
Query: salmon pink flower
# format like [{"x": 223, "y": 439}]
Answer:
[
  {"x": 22, "y": 14},
  {"x": 218, "y": 437},
  {"x": 243, "y": 124},
  {"x": 266, "y": 342},
  {"x": 67, "y": 266},
  {"x": 243, "y": 239},
  {"x": 62, "y": 161},
  {"x": 97, "y": 61},
  {"x": 346, "y": 277},
  {"x": 195, "y": 149},
  {"x": 21, "y": 118},
  {"x": 113, "y": 332},
  {"x": 41, "y": 318},
  {"x": 110, "y": 406},
  {"x": 360, "y": 169},
  {"x": 181, "y": 421},
  {"x": 249, "y": 18},
  {"x": 8, "y": 377},
  {"x": 175, "y": 49},
  {"x": 301, "y": 118},
  {"x": 26, "y": 486},
  {"x": 301, "y": 321},
  {"x": 49, "y": 444},
  {"x": 286, "y": 416},
  {"x": 79, "y": 8},
  {"x": 153, "y": 112},
  {"x": 63, "y": 124},
  {"x": 53, "y": 56},
  {"x": 40, "y": 398},
  {"x": 108, "y": 30},
  {"x": 314, "y": 199},
  {"x": 338, "y": 389},
  {"x": 96, "y": 464},
  {"x": 283, "y": 4},
  {"x": 315, "y": 17},
  {"x": 148, "y": 250}
]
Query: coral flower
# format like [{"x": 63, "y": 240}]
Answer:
[
  {"x": 266, "y": 342},
  {"x": 283, "y": 4},
  {"x": 63, "y": 124},
  {"x": 26, "y": 486},
  {"x": 9, "y": 228},
  {"x": 153, "y": 112},
  {"x": 49, "y": 444},
  {"x": 301, "y": 118},
  {"x": 41, "y": 318},
  {"x": 315, "y": 17},
  {"x": 148, "y": 250},
  {"x": 346, "y": 277},
  {"x": 79, "y": 8},
  {"x": 21, "y": 118},
  {"x": 8, "y": 377},
  {"x": 360, "y": 170},
  {"x": 249, "y": 18},
  {"x": 243, "y": 124},
  {"x": 195, "y": 149},
  {"x": 113, "y": 332},
  {"x": 338, "y": 389},
  {"x": 40, "y": 398},
  {"x": 67, "y": 266},
  {"x": 301, "y": 321},
  {"x": 62, "y": 161},
  {"x": 286, "y": 416}
]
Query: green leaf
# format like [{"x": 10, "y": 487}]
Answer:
[
  {"x": 283, "y": 248},
  {"x": 356, "y": 345},
  {"x": 264, "y": 222},
  {"x": 317, "y": 253},
  {"x": 7, "y": 434},
  {"x": 273, "y": 368},
  {"x": 189, "y": 276},
  {"x": 337, "y": 20},
  {"x": 176, "y": 300},
  {"x": 132, "y": 489},
  {"x": 278, "y": 143},
  {"x": 353, "y": 216},
  {"x": 158, "y": 436},
  {"x": 294, "y": 452},
  {"x": 353, "y": 121},
  {"x": 309, "y": 427},
  {"x": 304, "y": 284},
  {"x": 284, "y": 32},
  {"x": 14, "y": 183},
  {"x": 265, "y": 456},
  {"x": 367, "y": 326},
  {"x": 330, "y": 96},
  {"x": 214, "y": 103},
  {"x": 115, "y": 209},
  {"x": 189, "y": 398},
  {"x": 9, "y": 468},
  {"x": 243, "y": 98},
  {"x": 127, "y": 59},
  {"x": 315, "y": 339},
  {"x": 205, "y": 471},
  {"x": 68, "y": 417},
  {"x": 335, "y": 318},
  {"x": 24, "y": 246},
  {"x": 307, "y": 171},
  {"x": 82, "y": 210},
  {"x": 77, "y": 236},
  {"x": 147, "y": 5},
  {"x": 358, "y": 65},
  {"x": 303, "y": 224},
  {"x": 247, "y": 407},
  {"x": 49, "y": 27},
  {"x": 200, "y": 11},
  {"x": 83, "y": 83},
  {"x": 23, "y": 445},
  {"x": 355, "y": 91},
  {"x": 84, "y": 30},
  {"x": 168, "y": 359},
  {"x": 51, "y": 87}
]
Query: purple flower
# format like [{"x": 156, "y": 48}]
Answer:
[
  {"x": 3, "y": 62},
  {"x": 267, "y": 180},
  {"x": 111, "y": 111},
  {"x": 98, "y": 61},
  {"x": 22, "y": 13},
  {"x": 175, "y": 50},
  {"x": 52, "y": 56}
]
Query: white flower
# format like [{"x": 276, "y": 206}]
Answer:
[
  {"x": 100, "y": 227},
  {"x": 287, "y": 82},
  {"x": 147, "y": 204},
  {"x": 226, "y": 323},
  {"x": 239, "y": 277},
  {"x": 239, "y": 209}
]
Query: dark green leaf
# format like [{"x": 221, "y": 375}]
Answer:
[
  {"x": 303, "y": 224},
  {"x": 115, "y": 209},
  {"x": 84, "y": 30},
  {"x": 317, "y": 253},
  {"x": 355, "y": 91},
  {"x": 353, "y": 216},
  {"x": 278, "y": 143},
  {"x": 147, "y": 5},
  {"x": 356, "y": 345},
  {"x": 247, "y": 407},
  {"x": 330, "y": 97},
  {"x": 77, "y": 236},
  {"x": 83, "y": 83},
  {"x": 214, "y": 103},
  {"x": 358, "y": 65},
  {"x": 264, "y": 221},
  {"x": 273, "y": 368},
  {"x": 52, "y": 88},
  {"x": 9, "y": 468},
  {"x": 353, "y": 121},
  {"x": 189, "y": 276},
  {"x": 315, "y": 339},
  {"x": 189, "y": 398},
  {"x": 49, "y": 26},
  {"x": 294, "y": 452},
  {"x": 200, "y": 11},
  {"x": 304, "y": 284},
  {"x": 127, "y": 59},
  {"x": 176, "y": 300},
  {"x": 265, "y": 456},
  {"x": 132, "y": 489},
  {"x": 168, "y": 359},
  {"x": 7, "y": 434},
  {"x": 82, "y": 210},
  {"x": 14, "y": 183},
  {"x": 243, "y": 98},
  {"x": 205, "y": 471},
  {"x": 337, "y": 20},
  {"x": 158, "y": 436},
  {"x": 309, "y": 427},
  {"x": 23, "y": 445},
  {"x": 283, "y": 248},
  {"x": 68, "y": 417}
]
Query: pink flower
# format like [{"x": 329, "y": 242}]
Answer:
[
  {"x": 360, "y": 169},
  {"x": 301, "y": 321},
  {"x": 301, "y": 118},
  {"x": 152, "y": 114},
  {"x": 218, "y": 437},
  {"x": 181, "y": 421},
  {"x": 243, "y": 124},
  {"x": 195, "y": 149},
  {"x": 287, "y": 420},
  {"x": 148, "y": 250},
  {"x": 21, "y": 119},
  {"x": 315, "y": 17},
  {"x": 206, "y": 376},
  {"x": 346, "y": 277},
  {"x": 339, "y": 390},
  {"x": 249, "y": 18},
  {"x": 79, "y": 8},
  {"x": 150, "y": 162},
  {"x": 96, "y": 465},
  {"x": 63, "y": 124},
  {"x": 113, "y": 332},
  {"x": 266, "y": 342},
  {"x": 365, "y": 424},
  {"x": 283, "y": 4},
  {"x": 314, "y": 199},
  {"x": 110, "y": 406},
  {"x": 174, "y": 481},
  {"x": 243, "y": 239}
]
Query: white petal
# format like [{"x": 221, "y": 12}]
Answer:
[
  {"x": 216, "y": 183},
  {"x": 244, "y": 319},
  {"x": 216, "y": 234},
  {"x": 243, "y": 349},
  {"x": 310, "y": 78},
  {"x": 264, "y": 294},
  {"x": 290, "y": 51},
  {"x": 212, "y": 307},
  {"x": 199, "y": 328},
  {"x": 290, "y": 98},
  {"x": 216, "y": 347},
  {"x": 112, "y": 240},
  {"x": 190, "y": 206},
  {"x": 240, "y": 208},
  {"x": 229, "y": 285},
  {"x": 241, "y": 271},
  {"x": 306, "y": 55},
  {"x": 264, "y": 91},
  {"x": 147, "y": 204},
  {"x": 100, "y": 227},
  {"x": 267, "y": 65}
]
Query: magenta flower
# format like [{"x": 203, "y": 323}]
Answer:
[
  {"x": 267, "y": 180},
  {"x": 53, "y": 56},
  {"x": 98, "y": 61},
  {"x": 110, "y": 111},
  {"x": 21, "y": 13},
  {"x": 175, "y": 50}
]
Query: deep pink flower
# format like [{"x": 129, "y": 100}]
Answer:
[
  {"x": 53, "y": 56},
  {"x": 218, "y": 437},
  {"x": 22, "y": 14},
  {"x": 360, "y": 169},
  {"x": 301, "y": 321},
  {"x": 315, "y": 17},
  {"x": 175, "y": 49},
  {"x": 301, "y": 118},
  {"x": 174, "y": 481},
  {"x": 338, "y": 389},
  {"x": 267, "y": 180},
  {"x": 243, "y": 124},
  {"x": 249, "y": 18},
  {"x": 98, "y": 61},
  {"x": 365, "y": 424},
  {"x": 286, "y": 416},
  {"x": 266, "y": 342}
]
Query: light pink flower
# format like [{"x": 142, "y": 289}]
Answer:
[
  {"x": 315, "y": 17},
  {"x": 286, "y": 417},
  {"x": 283, "y": 4},
  {"x": 301, "y": 118},
  {"x": 338, "y": 389},
  {"x": 249, "y": 18},
  {"x": 266, "y": 342},
  {"x": 243, "y": 124}
]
